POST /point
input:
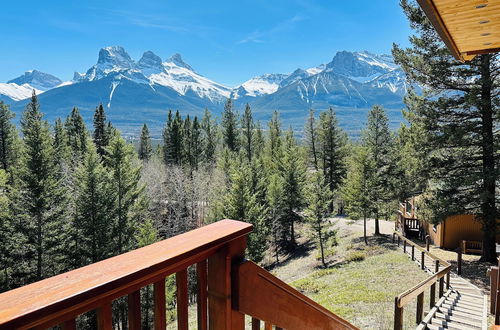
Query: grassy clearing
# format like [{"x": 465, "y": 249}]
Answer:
[{"x": 361, "y": 281}]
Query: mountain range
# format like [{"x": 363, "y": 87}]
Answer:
[{"x": 136, "y": 92}]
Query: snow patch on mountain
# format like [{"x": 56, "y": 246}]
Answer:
[{"x": 18, "y": 92}]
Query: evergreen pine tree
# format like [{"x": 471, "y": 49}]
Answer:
[
  {"x": 145, "y": 149},
  {"x": 240, "y": 203},
  {"x": 458, "y": 111},
  {"x": 100, "y": 134},
  {"x": 311, "y": 138},
  {"x": 275, "y": 193},
  {"x": 173, "y": 139},
  {"x": 7, "y": 235},
  {"x": 379, "y": 141},
  {"x": 94, "y": 210},
  {"x": 41, "y": 196},
  {"x": 318, "y": 203},
  {"x": 293, "y": 172},
  {"x": 128, "y": 193},
  {"x": 331, "y": 149},
  {"x": 230, "y": 126},
  {"x": 358, "y": 185},
  {"x": 247, "y": 130},
  {"x": 195, "y": 144},
  {"x": 187, "y": 143},
  {"x": 77, "y": 134},
  {"x": 208, "y": 137},
  {"x": 62, "y": 151},
  {"x": 9, "y": 143},
  {"x": 258, "y": 140},
  {"x": 274, "y": 149}
]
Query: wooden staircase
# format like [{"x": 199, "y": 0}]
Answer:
[{"x": 463, "y": 306}]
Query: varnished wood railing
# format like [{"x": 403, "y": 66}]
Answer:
[
  {"x": 437, "y": 278},
  {"x": 265, "y": 297},
  {"x": 228, "y": 288},
  {"x": 60, "y": 299}
]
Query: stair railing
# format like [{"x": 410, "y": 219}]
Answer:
[{"x": 437, "y": 277}]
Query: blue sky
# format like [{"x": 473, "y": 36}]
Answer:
[{"x": 227, "y": 41}]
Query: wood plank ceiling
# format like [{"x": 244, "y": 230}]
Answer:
[{"x": 467, "y": 27}]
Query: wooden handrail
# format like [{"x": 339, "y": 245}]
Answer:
[
  {"x": 263, "y": 296},
  {"x": 418, "y": 290},
  {"x": 60, "y": 298}
]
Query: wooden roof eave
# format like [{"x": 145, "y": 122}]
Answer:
[{"x": 434, "y": 17}]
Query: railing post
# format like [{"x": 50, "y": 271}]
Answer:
[
  {"x": 493, "y": 288},
  {"x": 459, "y": 261},
  {"x": 448, "y": 280},
  {"x": 398, "y": 315},
  {"x": 422, "y": 262},
  {"x": 413, "y": 252},
  {"x": 404, "y": 246},
  {"x": 441, "y": 287},
  {"x": 427, "y": 242},
  {"x": 393, "y": 237},
  {"x": 432, "y": 297},
  {"x": 399, "y": 239},
  {"x": 221, "y": 315},
  {"x": 420, "y": 307}
]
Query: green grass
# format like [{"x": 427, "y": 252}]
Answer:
[{"x": 362, "y": 288}]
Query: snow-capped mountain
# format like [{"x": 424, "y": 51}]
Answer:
[
  {"x": 174, "y": 73},
  {"x": 38, "y": 80},
  {"x": 137, "y": 91},
  {"x": 22, "y": 87}
]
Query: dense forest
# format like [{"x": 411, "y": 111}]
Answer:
[{"x": 72, "y": 196}]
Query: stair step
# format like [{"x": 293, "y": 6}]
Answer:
[
  {"x": 462, "y": 309},
  {"x": 465, "y": 304},
  {"x": 466, "y": 299},
  {"x": 465, "y": 320},
  {"x": 451, "y": 312},
  {"x": 448, "y": 324},
  {"x": 469, "y": 295}
]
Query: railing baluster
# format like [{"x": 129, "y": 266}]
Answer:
[
  {"x": 422, "y": 263},
  {"x": 255, "y": 324},
  {"x": 69, "y": 325},
  {"x": 404, "y": 246},
  {"x": 413, "y": 252},
  {"x": 134, "y": 310},
  {"x": 420, "y": 307},
  {"x": 104, "y": 317},
  {"x": 182, "y": 299},
  {"x": 201, "y": 272},
  {"x": 398, "y": 315},
  {"x": 160, "y": 316},
  {"x": 432, "y": 297},
  {"x": 441, "y": 287}
]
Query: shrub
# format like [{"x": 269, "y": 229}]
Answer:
[{"x": 356, "y": 256}]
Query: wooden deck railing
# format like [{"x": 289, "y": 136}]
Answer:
[
  {"x": 475, "y": 247},
  {"x": 437, "y": 277},
  {"x": 228, "y": 288}
]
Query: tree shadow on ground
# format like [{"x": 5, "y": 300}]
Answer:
[
  {"x": 302, "y": 250},
  {"x": 383, "y": 241}
]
